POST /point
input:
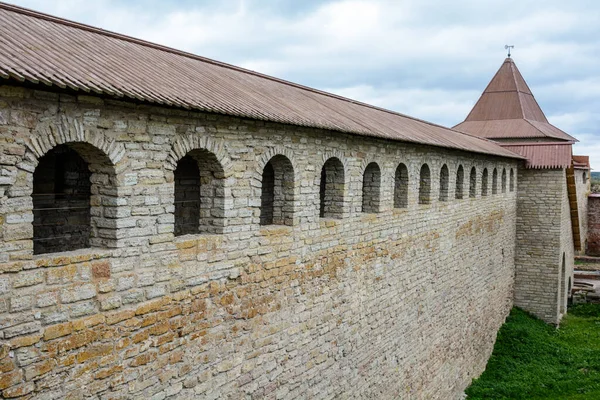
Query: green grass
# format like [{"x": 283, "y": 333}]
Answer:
[{"x": 532, "y": 360}]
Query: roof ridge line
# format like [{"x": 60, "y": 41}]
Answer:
[
  {"x": 514, "y": 78},
  {"x": 115, "y": 35}
]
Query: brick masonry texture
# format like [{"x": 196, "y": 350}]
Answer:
[
  {"x": 400, "y": 303},
  {"x": 544, "y": 237}
]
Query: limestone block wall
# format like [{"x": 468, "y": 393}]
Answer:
[
  {"x": 583, "y": 186},
  {"x": 544, "y": 238},
  {"x": 401, "y": 301},
  {"x": 593, "y": 225}
]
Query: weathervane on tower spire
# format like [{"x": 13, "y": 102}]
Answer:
[{"x": 508, "y": 47}]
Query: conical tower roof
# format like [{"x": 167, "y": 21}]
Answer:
[{"x": 508, "y": 110}]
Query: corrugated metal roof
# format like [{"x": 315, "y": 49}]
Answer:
[
  {"x": 581, "y": 162},
  {"x": 512, "y": 129},
  {"x": 46, "y": 50},
  {"x": 507, "y": 96},
  {"x": 543, "y": 155},
  {"x": 506, "y": 100}
]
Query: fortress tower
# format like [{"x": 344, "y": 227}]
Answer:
[{"x": 549, "y": 226}]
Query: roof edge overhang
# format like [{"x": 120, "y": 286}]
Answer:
[
  {"x": 148, "y": 102},
  {"x": 543, "y": 155},
  {"x": 24, "y": 71}
]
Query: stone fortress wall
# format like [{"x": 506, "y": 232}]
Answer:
[
  {"x": 544, "y": 253},
  {"x": 287, "y": 293}
]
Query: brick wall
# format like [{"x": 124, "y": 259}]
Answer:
[
  {"x": 404, "y": 302},
  {"x": 544, "y": 234}
]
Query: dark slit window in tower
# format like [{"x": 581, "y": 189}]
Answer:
[
  {"x": 444, "y": 178},
  {"x": 460, "y": 180},
  {"x": 277, "y": 192},
  {"x": 425, "y": 185},
  {"x": 61, "y": 202},
  {"x": 371, "y": 188},
  {"x": 473, "y": 183},
  {"x": 331, "y": 190},
  {"x": 503, "y": 180},
  {"x": 401, "y": 187},
  {"x": 495, "y": 181}
]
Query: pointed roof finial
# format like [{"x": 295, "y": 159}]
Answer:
[{"x": 508, "y": 47}]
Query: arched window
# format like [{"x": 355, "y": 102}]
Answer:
[
  {"x": 503, "y": 180},
  {"x": 70, "y": 186},
  {"x": 444, "y": 177},
  {"x": 512, "y": 180},
  {"x": 425, "y": 185},
  {"x": 460, "y": 182},
  {"x": 484, "y": 182},
  {"x": 277, "y": 193},
  {"x": 495, "y": 181},
  {"x": 331, "y": 190},
  {"x": 401, "y": 187},
  {"x": 199, "y": 194},
  {"x": 370, "y": 189},
  {"x": 473, "y": 183}
]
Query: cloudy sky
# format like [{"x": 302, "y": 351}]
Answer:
[{"x": 427, "y": 58}]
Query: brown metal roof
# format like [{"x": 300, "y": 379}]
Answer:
[
  {"x": 507, "y": 109},
  {"x": 513, "y": 129},
  {"x": 507, "y": 96},
  {"x": 46, "y": 50},
  {"x": 581, "y": 162},
  {"x": 543, "y": 155}
]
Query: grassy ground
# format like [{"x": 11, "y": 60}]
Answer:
[{"x": 532, "y": 360}]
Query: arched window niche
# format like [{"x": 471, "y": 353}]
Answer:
[
  {"x": 371, "y": 188},
  {"x": 444, "y": 182},
  {"x": 484, "y": 183},
  {"x": 460, "y": 182},
  {"x": 199, "y": 194},
  {"x": 331, "y": 190},
  {"x": 401, "y": 186},
  {"x": 473, "y": 183},
  {"x": 503, "y": 180},
  {"x": 277, "y": 192},
  {"x": 495, "y": 181},
  {"x": 425, "y": 185},
  {"x": 73, "y": 190}
]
